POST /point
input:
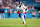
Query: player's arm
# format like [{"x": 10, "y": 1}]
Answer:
[
  {"x": 17, "y": 8},
  {"x": 26, "y": 9}
]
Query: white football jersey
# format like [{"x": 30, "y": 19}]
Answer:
[{"x": 23, "y": 7}]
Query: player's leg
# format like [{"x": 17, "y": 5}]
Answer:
[
  {"x": 0, "y": 16},
  {"x": 25, "y": 17},
  {"x": 19, "y": 15},
  {"x": 24, "y": 21},
  {"x": 22, "y": 16},
  {"x": 32, "y": 16}
]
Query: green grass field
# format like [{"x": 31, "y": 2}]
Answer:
[{"x": 19, "y": 23}]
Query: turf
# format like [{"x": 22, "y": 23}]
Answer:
[{"x": 19, "y": 23}]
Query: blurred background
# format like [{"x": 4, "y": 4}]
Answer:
[{"x": 8, "y": 8}]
